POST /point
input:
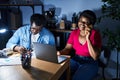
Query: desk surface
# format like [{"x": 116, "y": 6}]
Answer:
[{"x": 40, "y": 70}]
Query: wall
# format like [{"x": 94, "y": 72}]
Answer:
[
  {"x": 63, "y": 7},
  {"x": 68, "y": 7}
]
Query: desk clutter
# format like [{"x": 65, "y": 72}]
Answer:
[
  {"x": 9, "y": 57},
  {"x": 10, "y": 61}
]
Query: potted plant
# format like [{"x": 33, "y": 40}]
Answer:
[
  {"x": 111, "y": 8},
  {"x": 113, "y": 42}
]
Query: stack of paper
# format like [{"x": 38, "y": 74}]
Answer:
[{"x": 13, "y": 60}]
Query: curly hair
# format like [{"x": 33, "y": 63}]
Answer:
[
  {"x": 90, "y": 15},
  {"x": 38, "y": 19}
]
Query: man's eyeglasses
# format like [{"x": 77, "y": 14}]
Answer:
[{"x": 35, "y": 28}]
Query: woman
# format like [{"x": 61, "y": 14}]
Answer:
[{"x": 86, "y": 41}]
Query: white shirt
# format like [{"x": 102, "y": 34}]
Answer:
[{"x": 34, "y": 38}]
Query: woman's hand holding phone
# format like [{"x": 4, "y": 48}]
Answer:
[{"x": 88, "y": 31}]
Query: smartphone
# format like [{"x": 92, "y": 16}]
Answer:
[{"x": 91, "y": 26}]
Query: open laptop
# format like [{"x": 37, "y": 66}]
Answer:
[{"x": 47, "y": 52}]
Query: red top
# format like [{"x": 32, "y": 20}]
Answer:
[{"x": 82, "y": 50}]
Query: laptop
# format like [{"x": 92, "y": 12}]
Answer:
[{"x": 47, "y": 52}]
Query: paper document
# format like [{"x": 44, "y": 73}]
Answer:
[{"x": 13, "y": 60}]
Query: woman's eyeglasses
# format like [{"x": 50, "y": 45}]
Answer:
[{"x": 83, "y": 22}]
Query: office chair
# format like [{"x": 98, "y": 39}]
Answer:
[{"x": 102, "y": 61}]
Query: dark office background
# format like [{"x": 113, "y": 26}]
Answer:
[{"x": 63, "y": 8}]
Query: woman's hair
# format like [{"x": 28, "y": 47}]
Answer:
[
  {"x": 90, "y": 15},
  {"x": 38, "y": 19}
]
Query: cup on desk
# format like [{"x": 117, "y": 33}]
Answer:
[{"x": 26, "y": 60}]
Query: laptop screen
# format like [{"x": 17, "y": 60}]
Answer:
[{"x": 45, "y": 52}]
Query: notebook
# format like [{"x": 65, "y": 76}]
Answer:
[{"x": 47, "y": 52}]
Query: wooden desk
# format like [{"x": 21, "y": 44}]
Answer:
[{"x": 40, "y": 70}]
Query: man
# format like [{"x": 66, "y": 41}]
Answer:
[{"x": 23, "y": 38}]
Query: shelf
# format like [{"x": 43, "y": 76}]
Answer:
[
  {"x": 60, "y": 30},
  {"x": 21, "y": 2},
  {"x": 24, "y": 3},
  {"x": 18, "y": 3}
]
